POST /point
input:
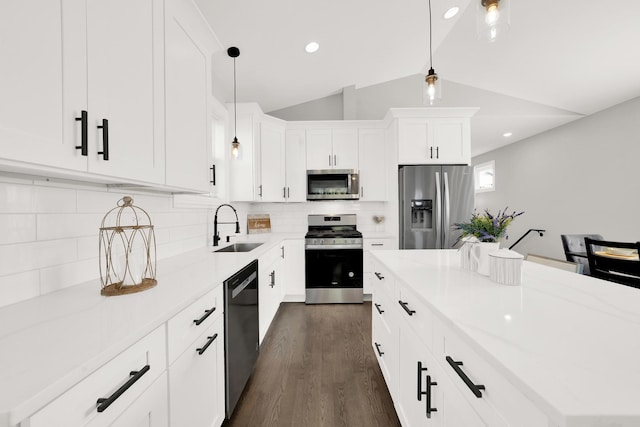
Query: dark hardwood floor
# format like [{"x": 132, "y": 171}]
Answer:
[{"x": 317, "y": 369}]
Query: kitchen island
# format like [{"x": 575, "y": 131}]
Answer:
[{"x": 562, "y": 349}]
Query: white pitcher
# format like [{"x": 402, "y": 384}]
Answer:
[
  {"x": 465, "y": 252},
  {"x": 480, "y": 255}
]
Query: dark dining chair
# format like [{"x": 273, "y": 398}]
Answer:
[
  {"x": 574, "y": 249},
  {"x": 613, "y": 261}
]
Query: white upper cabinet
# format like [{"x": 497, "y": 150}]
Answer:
[
  {"x": 296, "y": 173},
  {"x": 373, "y": 171},
  {"x": 190, "y": 126},
  {"x": 332, "y": 148},
  {"x": 244, "y": 175},
  {"x": 272, "y": 187},
  {"x": 42, "y": 84},
  {"x": 434, "y": 135}
]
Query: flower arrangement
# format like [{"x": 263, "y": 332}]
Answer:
[{"x": 487, "y": 227}]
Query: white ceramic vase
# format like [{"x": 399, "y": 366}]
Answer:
[
  {"x": 505, "y": 267},
  {"x": 480, "y": 256},
  {"x": 465, "y": 252}
]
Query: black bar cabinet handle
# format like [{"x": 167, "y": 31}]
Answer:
[
  {"x": 378, "y": 348},
  {"x": 213, "y": 174},
  {"x": 104, "y": 403},
  {"x": 420, "y": 371},
  {"x": 206, "y": 314},
  {"x": 273, "y": 278},
  {"x": 475, "y": 388},
  {"x": 282, "y": 252},
  {"x": 84, "y": 119},
  {"x": 429, "y": 408},
  {"x": 207, "y": 344},
  {"x": 378, "y": 307},
  {"x": 431, "y": 152},
  {"x": 406, "y": 308},
  {"x": 379, "y": 276},
  {"x": 105, "y": 139},
  {"x": 437, "y": 152},
  {"x": 288, "y": 193}
]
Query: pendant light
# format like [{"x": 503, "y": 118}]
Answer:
[
  {"x": 433, "y": 88},
  {"x": 492, "y": 18},
  {"x": 234, "y": 52}
]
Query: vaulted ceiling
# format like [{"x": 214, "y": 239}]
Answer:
[{"x": 559, "y": 61}]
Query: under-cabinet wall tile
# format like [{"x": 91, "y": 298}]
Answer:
[
  {"x": 16, "y": 198},
  {"x": 54, "y": 200},
  {"x": 66, "y": 275},
  {"x": 88, "y": 247},
  {"x": 17, "y": 228},
  {"x": 29, "y": 256},
  {"x": 19, "y": 287},
  {"x": 97, "y": 201},
  {"x": 60, "y": 226}
]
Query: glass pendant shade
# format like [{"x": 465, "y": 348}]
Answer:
[
  {"x": 492, "y": 19},
  {"x": 235, "y": 148},
  {"x": 432, "y": 88}
]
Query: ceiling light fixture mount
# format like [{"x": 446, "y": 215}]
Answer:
[
  {"x": 492, "y": 18},
  {"x": 431, "y": 79},
  {"x": 234, "y": 52},
  {"x": 312, "y": 47}
]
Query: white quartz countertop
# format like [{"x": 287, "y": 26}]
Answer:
[
  {"x": 570, "y": 342},
  {"x": 49, "y": 343}
]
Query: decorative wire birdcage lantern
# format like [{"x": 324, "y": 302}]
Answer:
[{"x": 127, "y": 250}]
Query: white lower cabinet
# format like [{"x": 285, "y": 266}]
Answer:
[
  {"x": 116, "y": 392},
  {"x": 270, "y": 287},
  {"x": 293, "y": 270},
  {"x": 368, "y": 275},
  {"x": 196, "y": 381}
]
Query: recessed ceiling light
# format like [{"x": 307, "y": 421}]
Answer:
[
  {"x": 451, "y": 12},
  {"x": 312, "y": 47},
  {"x": 507, "y": 134}
]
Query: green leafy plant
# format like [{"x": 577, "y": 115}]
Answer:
[{"x": 487, "y": 227}]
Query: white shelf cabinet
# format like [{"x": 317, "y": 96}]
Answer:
[
  {"x": 332, "y": 148},
  {"x": 188, "y": 119},
  {"x": 373, "y": 165}
]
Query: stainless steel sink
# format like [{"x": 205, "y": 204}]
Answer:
[{"x": 239, "y": 247}]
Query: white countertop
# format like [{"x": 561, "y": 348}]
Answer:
[
  {"x": 570, "y": 342},
  {"x": 49, "y": 343}
]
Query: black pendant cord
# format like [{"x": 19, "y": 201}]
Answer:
[{"x": 235, "y": 105}]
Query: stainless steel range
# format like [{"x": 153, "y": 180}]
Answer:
[{"x": 333, "y": 260}]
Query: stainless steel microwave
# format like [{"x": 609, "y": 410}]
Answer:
[{"x": 333, "y": 184}]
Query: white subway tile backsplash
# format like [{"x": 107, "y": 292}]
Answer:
[
  {"x": 97, "y": 201},
  {"x": 19, "y": 287},
  {"x": 88, "y": 247},
  {"x": 65, "y": 275},
  {"x": 34, "y": 255},
  {"x": 59, "y": 226},
  {"x": 16, "y": 198},
  {"x": 54, "y": 200},
  {"x": 17, "y": 228}
]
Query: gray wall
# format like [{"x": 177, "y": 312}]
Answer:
[
  {"x": 329, "y": 108},
  {"x": 578, "y": 178}
]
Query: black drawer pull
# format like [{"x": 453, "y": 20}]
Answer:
[
  {"x": 206, "y": 314},
  {"x": 213, "y": 174},
  {"x": 420, "y": 392},
  {"x": 475, "y": 388},
  {"x": 379, "y": 276},
  {"x": 207, "y": 344},
  {"x": 378, "y": 307},
  {"x": 135, "y": 376},
  {"x": 378, "y": 348},
  {"x": 429, "y": 408},
  {"x": 105, "y": 139},
  {"x": 404, "y": 305},
  {"x": 84, "y": 133}
]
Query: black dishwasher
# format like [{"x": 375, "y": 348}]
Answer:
[{"x": 241, "y": 339}]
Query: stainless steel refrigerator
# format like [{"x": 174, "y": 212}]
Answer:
[{"x": 432, "y": 200}]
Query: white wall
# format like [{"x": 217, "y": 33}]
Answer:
[
  {"x": 328, "y": 108},
  {"x": 579, "y": 178},
  {"x": 49, "y": 233}
]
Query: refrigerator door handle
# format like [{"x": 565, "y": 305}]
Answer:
[
  {"x": 438, "y": 221},
  {"x": 446, "y": 226}
]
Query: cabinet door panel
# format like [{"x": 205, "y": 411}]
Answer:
[
  {"x": 372, "y": 154},
  {"x": 414, "y": 140},
  {"x": 319, "y": 152},
  {"x": 272, "y": 163},
  {"x": 345, "y": 148},
  {"x": 186, "y": 90},
  {"x": 125, "y": 87},
  {"x": 296, "y": 172},
  {"x": 449, "y": 137},
  {"x": 33, "y": 77}
]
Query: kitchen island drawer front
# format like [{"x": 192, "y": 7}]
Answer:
[
  {"x": 121, "y": 380},
  {"x": 500, "y": 401},
  {"x": 187, "y": 325},
  {"x": 385, "y": 346},
  {"x": 383, "y": 281},
  {"x": 416, "y": 314}
]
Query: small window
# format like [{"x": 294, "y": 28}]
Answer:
[{"x": 485, "y": 176}]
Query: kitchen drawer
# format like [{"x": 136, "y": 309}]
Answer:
[
  {"x": 373, "y": 245},
  {"x": 383, "y": 308},
  {"x": 186, "y": 326},
  {"x": 385, "y": 347},
  {"x": 501, "y": 403},
  {"x": 416, "y": 314},
  {"x": 273, "y": 255},
  {"x": 383, "y": 281},
  {"x": 77, "y": 406}
]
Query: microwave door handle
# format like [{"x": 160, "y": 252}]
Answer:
[
  {"x": 446, "y": 226},
  {"x": 438, "y": 221}
]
